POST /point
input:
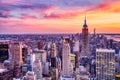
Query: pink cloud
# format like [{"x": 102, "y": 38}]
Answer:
[
  {"x": 12, "y": 1},
  {"x": 5, "y": 13},
  {"x": 50, "y": 10},
  {"x": 66, "y": 13}
]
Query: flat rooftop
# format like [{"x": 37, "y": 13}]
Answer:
[{"x": 105, "y": 50}]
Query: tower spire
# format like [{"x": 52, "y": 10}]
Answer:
[
  {"x": 85, "y": 19},
  {"x": 85, "y": 23},
  {"x": 94, "y": 31}
]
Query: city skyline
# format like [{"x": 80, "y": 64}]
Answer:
[{"x": 53, "y": 16}]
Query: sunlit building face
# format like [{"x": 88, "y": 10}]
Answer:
[{"x": 105, "y": 61}]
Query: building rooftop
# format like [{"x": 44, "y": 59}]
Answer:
[
  {"x": 4, "y": 40},
  {"x": 105, "y": 50},
  {"x": 3, "y": 70}
]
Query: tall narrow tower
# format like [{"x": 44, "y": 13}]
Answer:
[
  {"x": 94, "y": 31},
  {"x": 85, "y": 38},
  {"x": 66, "y": 67}
]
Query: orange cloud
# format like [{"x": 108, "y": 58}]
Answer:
[
  {"x": 108, "y": 7},
  {"x": 105, "y": 18}
]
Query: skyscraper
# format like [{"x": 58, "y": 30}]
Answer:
[
  {"x": 37, "y": 68},
  {"x": 40, "y": 45},
  {"x": 66, "y": 65},
  {"x": 77, "y": 53},
  {"x": 105, "y": 69},
  {"x": 94, "y": 31},
  {"x": 16, "y": 52},
  {"x": 25, "y": 52},
  {"x": 40, "y": 54},
  {"x": 85, "y": 40},
  {"x": 4, "y": 51},
  {"x": 53, "y": 50}
]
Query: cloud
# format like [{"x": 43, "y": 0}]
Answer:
[
  {"x": 12, "y": 1},
  {"x": 107, "y": 7},
  {"x": 5, "y": 14},
  {"x": 33, "y": 8},
  {"x": 26, "y": 16},
  {"x": 61, "y": 15},
  {"x": 56, "y": 15}
]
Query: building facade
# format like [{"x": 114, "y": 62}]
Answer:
[
  {"x": 85, "y": 40},
  {"x": 66, "y": 65},
  {"x": 105, "y": 69},
  {"x": 16, "y": 52}
]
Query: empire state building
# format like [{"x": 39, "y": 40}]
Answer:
[{"x": 85, "y": 40}]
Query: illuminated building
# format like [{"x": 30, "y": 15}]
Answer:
[
  {"x": 53, "y": 50},
  {"x": 85, "y": 40},
  {"x": 16, "y": 52},
  {"x": 54, "y": 70},
  {"x": 82, "y": 73},
  {"x": 4, "y": 51},
  {"x": 72, "y": 60},
  {"x": 105, "y": 69},
  {"x": 117, "y": 76},
  {"x": 40, "y": 54},
  {"x": 66, "y": 64},
  {"x": 77, "y": 54},
  {"x": 25, "y": 52}
]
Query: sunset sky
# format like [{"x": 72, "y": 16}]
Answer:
[{"x": 59, "y": 16}]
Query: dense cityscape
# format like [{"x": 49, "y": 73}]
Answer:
[{"x": 80, "y": 56}]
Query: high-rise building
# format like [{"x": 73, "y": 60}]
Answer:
[
  {"x": 76, "y": 46},
  {"x": 53, "y": 55},
  {"x": 46, "y": 68},
  {"x": 16, "y": 52},
  {"x": 105, "y": 69},
  {"x": 85, "y": 40},
  {"x": 30, "y": 61},
  {"x": 66, "y": 65},
  {"x": 4, "y": 52},
  {"x": 54, "y": 74},
  {"x": 53, "y": 50},
  {"x": 77, "y": 53},
  {"x": 53, "y": 62},
  {"x": 40, "y": 45},
  {"x": 40, "y": 54},
  {"x": 25, "y": 52},
  {"x": 37, "y": 68}
]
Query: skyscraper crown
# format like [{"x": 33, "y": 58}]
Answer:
[{"x": 85, "y": 23}]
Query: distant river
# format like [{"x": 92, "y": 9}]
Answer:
[{"x": 114, "y": 37}]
